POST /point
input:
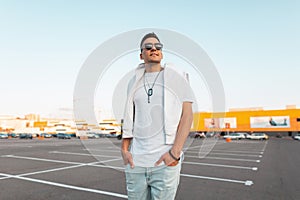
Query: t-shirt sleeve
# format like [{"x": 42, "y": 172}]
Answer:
[{"x": 186, "y": 93}]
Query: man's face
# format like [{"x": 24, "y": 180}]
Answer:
[{"x": 153, "y": 55}]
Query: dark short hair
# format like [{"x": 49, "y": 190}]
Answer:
[{"x": 148, "y": 35}]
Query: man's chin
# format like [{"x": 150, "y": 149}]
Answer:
[{"x": 154, "y": 61}]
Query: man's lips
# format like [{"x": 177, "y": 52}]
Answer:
[{"x": 154, "y": 54}]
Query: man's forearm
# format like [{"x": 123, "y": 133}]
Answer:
[
  {"x": 126, "y": 144},
  {"x": 183, "y": 129},
  {"x": 127, "y": 157}
]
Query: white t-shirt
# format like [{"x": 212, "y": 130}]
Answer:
[{"x": 148, "y": 143}]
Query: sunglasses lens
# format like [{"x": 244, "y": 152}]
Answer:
[
  {"x": 158, "y": 46},
  {"x": 148, "y": 46}
]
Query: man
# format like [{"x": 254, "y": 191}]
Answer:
[{"x": 157, "y": 120}]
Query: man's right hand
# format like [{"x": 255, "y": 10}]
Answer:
[{"x": 127, "y": 158}]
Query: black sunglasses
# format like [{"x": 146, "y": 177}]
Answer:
[{"x": 149, "y": 46}]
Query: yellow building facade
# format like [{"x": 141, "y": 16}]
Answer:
[{"x": 256, "y": 120}]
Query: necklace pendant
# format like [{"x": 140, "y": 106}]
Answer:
[{"x": 150, "y": 92}]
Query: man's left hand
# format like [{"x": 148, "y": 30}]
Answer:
[{"x": 167, "y": 159}]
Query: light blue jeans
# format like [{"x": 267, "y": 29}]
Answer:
[{"x": 152, "y": 183}]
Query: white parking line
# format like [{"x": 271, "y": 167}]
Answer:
[
  {"x": 117, "y": 151},
  {"x": 194, "y": 147},
  {"x": 218, "y": 165},
  {"x": 52, "y": 170},
  {"x": 83, "y": 154},
  {"x": 3, "y": 156},
  {"x": 42, "y": 159},
  {"x": 105, "y": 161},
  {"x": 247, "y": 183},
  {"x": 264, "y": 148},
  {"x": 229, "y": 154},
  {"x": 220, "y": 158},
  {"x": 196, "y": 152},
  {"x": 108, "y": 166},
  {"x": 259, "y": 152},
  {"x": 67, "y": 186},
  {"x": 2, "y": 178},
  {"x": 78, "y": 164}
]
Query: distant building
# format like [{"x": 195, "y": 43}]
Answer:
[
  {"x": 32, "y": 117},
  {"x": 249, "y": 120}
]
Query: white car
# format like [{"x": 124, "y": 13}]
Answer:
[
  {"x": 46, "y": 135},
  {"x": 297, "y": 137},
  {"x": 247, "y": 135},
  {"x": 235, "y": 136},
  {"x": 3, "y": 136},
  {"x": 92, "y": 135},
  {"x": 258, "y": 136}
]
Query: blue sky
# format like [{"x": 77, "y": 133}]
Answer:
[{"x": 254, "y": 45}]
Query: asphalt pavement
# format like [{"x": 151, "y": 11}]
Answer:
[{"x": 92, "y": 169}]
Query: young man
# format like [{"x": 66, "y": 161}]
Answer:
[{"x": 157, "y": 121}]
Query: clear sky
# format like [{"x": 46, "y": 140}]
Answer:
[{"x": 43, "y": 44}]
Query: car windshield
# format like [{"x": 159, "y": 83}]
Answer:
[{"x": 258, "y": 134}]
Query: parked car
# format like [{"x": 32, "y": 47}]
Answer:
[
  {"x": 258, "y": 136},
  {"x": 200, "y": 135},
  {"x": 210, "y": 134},
  {"x": 25, "y": 136},
  {"x": 107, "y": 135},
  {"x": 247, "y": 135},
  {"x": 197, "y": 135},
  {"x": 13, "y": 135},
  {"x": 63, "y": 136},
  {"x": 92, "y": 135},
  {"x": 3, "y": 136},
  {"x": 235, "y": 136},
  {"x": 46, "y": 135},
  {"x": 110, "y": 135},
  {"x": 296, "y": 137}
]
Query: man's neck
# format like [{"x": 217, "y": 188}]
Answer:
[{"x": 153, "y": 67}]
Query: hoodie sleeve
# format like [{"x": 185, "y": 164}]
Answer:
[
  {"x": 187, "y": 94},
  {"x": 129, "y": 112},
  {"x": 181, "y": 86}
]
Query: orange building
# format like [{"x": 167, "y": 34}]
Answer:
[{"x": 249, "y": 120}]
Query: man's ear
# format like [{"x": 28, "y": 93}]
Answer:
[{"x": 141, "y": 56}]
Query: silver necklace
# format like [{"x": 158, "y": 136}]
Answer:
[{"x": 149, "y": 92}]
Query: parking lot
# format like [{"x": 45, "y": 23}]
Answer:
[{"x": 93, "y": 169}]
